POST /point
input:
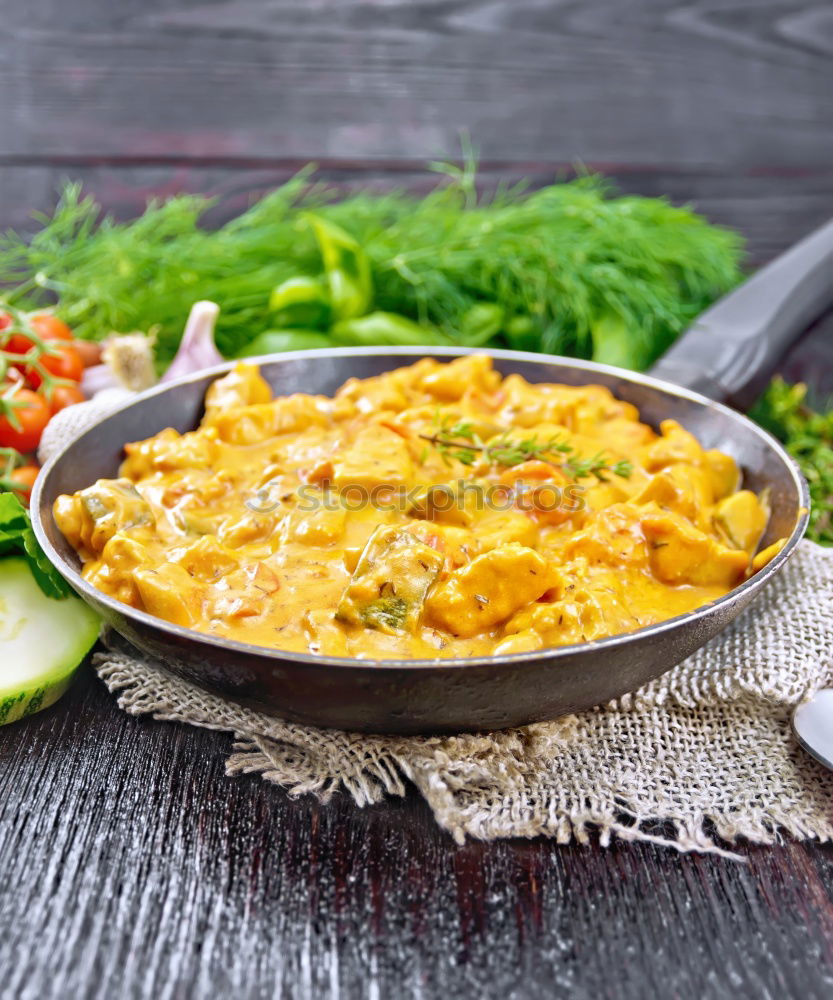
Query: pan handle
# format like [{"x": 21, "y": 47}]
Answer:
[{"x": 740, "y": 339}]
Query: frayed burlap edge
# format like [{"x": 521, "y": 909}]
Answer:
[{"x": 699, "y": 759}]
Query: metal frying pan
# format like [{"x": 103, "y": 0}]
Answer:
[{"x": 730, "y": 346}]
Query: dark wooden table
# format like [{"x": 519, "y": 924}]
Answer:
[{"x": 129, "y": 864}]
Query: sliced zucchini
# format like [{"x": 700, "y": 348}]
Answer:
[{"x": 42, "y": 641}]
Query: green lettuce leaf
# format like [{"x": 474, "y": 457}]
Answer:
[{"x": 16, "y": 535}]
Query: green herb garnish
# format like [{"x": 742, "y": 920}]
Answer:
[
  {"x": 567, "y": 269},
  {"x": 808, "y": 437},
  {"x": 16, "y": 535},
  {"x": 460, "y": 441}
]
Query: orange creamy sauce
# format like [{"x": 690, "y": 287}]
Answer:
[{"x": 257, "y": 526}]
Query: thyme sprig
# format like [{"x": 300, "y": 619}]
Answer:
[{"x": 461, "y": 441}]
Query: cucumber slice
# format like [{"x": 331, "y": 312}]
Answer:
[{"x": 42, "y": 641}]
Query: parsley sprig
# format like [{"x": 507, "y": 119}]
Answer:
[
  {"x": 16, "y": 535},
  {"x": 808, "y": 437},
  {"x": 461, "y": 441}
]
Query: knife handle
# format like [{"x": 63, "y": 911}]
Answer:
[{"x": 740, "y": 339}]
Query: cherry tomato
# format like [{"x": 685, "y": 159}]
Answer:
[
  {"x": 65, "y": 395},
  {"x": 25, "y": 476},
  {"x": 64, "y": 363},
  {"x": 49, "y": 327},
  {"x": 17, "y": 344},
  {"x": 45, "y": 325},
  {"x": 88, "y": 351},
  {"x": 32, "y": 416}
]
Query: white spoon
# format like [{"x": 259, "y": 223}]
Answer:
[{"x": 813, "y": 726}]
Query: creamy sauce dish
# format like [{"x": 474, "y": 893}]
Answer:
[{"x": 438, "y": 510}]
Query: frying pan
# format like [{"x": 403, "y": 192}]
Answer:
[{"x": 728, "y": 349}]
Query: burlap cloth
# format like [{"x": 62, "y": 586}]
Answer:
[{"x": 701, "y": 757}]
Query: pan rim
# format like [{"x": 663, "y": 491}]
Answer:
[{"x": 180, "y": 632}]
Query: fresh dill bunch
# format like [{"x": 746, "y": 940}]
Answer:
[
  {"x": 567, "y": 269},
  {"x": 808, "y": 437},
  {"x": 460, "y": 441},
  {"x": 573, "y": 270},
  {"x": 145, "y": 274}
]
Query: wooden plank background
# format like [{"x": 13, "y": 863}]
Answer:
[
  {"x": 129, "y": 864},
  {"x": 709, "y": 84},
  {"x": 132, "y": 867},
  {"x": 726, "y": 105}
]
